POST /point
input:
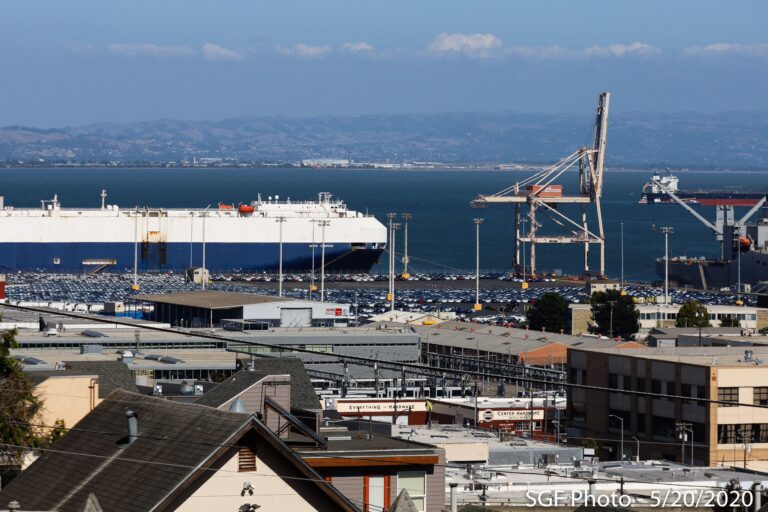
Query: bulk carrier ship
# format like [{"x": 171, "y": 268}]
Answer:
[
  {"x": 653, "y": 193},
  {"x": 237, "y": 238}
]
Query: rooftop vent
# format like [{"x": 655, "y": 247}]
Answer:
[
  {"x": 238, "y": 406},
  {"x": 90, "y": 333},
  {"x": 133, "y": 426}
]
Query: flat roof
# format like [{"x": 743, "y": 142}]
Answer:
[
  {"x": 209, "y": 299},
  {"x": 700, "y": 356}
]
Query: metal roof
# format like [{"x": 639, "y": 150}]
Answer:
[{"x": 212, "y": 299}]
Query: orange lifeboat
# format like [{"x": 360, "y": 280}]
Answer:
[
  {"x": 745, "y": 244},
  {"x": 245, "y": 209},
  {"x": 224, "y": 206}
]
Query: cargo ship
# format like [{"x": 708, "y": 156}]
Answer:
[
  {"x": 652, "y": 193},
  {"x": 235, "y": 238},
  {"x": 744, "y": 258}
]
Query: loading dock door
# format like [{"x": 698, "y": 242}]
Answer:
[{"x": 296, "y": 317}]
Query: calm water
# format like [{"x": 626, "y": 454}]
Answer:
[{"x": 441, "y": 231}]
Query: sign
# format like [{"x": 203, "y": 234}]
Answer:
[
  {"x": 379, "y": 406},
  {"x": 337, "y": 311},
  {"x": 512, "y": 414}
]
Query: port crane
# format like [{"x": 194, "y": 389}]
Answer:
[{"x": 542, "y": 194}]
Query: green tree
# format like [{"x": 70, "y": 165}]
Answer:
[
  {"x": 614, "y": 314},
  {"x": 18, "y": 404},
  {"x": 692, "y": 314},
  {"x": 549, "y": 312}
]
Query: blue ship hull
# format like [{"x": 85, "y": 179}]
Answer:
[{"x": 163, "y": 257}]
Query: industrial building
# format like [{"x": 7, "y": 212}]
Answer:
[
  {"x": 243, "y": 311},
  {"x": 660, "y": 315},
  {"x": 681, "y": 429}
]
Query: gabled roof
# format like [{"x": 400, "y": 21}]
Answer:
[
  {"x": 303, "y": 394},
  {"x": 177, "y": 442},
  {"x": 113, "y": 375}
]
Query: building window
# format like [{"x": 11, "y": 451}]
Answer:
[
  {"x": 671, "y": 389},
  {"x": 728, "y": 395},
  {"x": 663, "y": 427},
  {"x": 613, "y": 381},
  {"x": 726, "y": 434},
  {"x": 640, "y": 423},
  {"x": 583, "y": 376},
  {"x": 415, "y": 482},
  {"x": 762, "y": 433},
  {"x": 627, "y": 382},
  {"x": 760, "y": 396},
  {"x": 574, "y": 376},
  {"x": 641, "y": 383},
  {"x": 655, "y": 387}
]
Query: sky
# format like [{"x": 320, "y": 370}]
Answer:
[{"x": 80, "y": 62}]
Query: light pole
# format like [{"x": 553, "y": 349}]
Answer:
[
  {"x": 406, "y": 217},
  {"x": 280, "y": 221},
  {"x": 622, "y": 255},
  {"x": 523, "y": 223},
  {"x": 204, "y": 276},
  {"x": 699, "y": 321},
  {"x": 312, "y": 287},
  {"x": 622, "y": 434},
  {"x": 666, "y": 230},
  {"x": 135, "y": 286},
  {"x": 477, "y": 306},
  {"x": 637, "y": 454},
  {"x": 323, "y": 224},
  {"x": 391, "y": 261},
  {"x": 610, "y": 330}
]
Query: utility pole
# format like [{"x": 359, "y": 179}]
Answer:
[
  {"x": 312, "y": 287},
  {"x": 205, "y": 271},
  {"x": 622, "y": 255},
  {"x": 666, "y": 230},
  {"x": 280, "y": 221},
  {"x": 683, "y": 429},
  {"x": 477, "y": 306},
  {"x": 391, "y": 260},
  {"x": 323, "y": 225},
  {"x": 610, "y": 331},
  {"x": 406, "y": 217}
]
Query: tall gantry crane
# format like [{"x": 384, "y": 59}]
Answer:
[{"x": 542, "y": 193}]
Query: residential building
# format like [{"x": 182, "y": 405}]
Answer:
[{"x": 134, "y": 452}]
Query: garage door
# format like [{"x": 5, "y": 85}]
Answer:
[{"x": 296, "y": 317}]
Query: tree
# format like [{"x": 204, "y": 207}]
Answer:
[
  {"x": 615, "y": 314},
  {"x": 549, "y": 312},
  {"x": 18, "y": 404},
  {"x": 692, "y": 314}
]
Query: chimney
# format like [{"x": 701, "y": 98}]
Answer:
[{"x": 133, "y": 426}]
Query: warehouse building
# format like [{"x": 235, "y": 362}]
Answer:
[{"x": 243, "y": 311}]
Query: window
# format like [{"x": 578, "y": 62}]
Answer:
[
  {"x": 613, "y": 381},
  {"x": 627, "y": 382},
  {"x": 687, "y": 391},
  {"x": 728, "y": 395},
  {"x": 655, "y": 386},
  {"x": 574, "y": 376},
  {"x": 583, "y": 376},
  {"x": 641, "y": 383},
  {"x": 701, "y": 392},
  {"x": 726, "y": 434},
  {"x": 671, "y": 389},
  {"x": 640, "y": 423},
  {"x": 762, "y": 433},
  {"x": 415, "y": 482},
  {"x": 663, "y": 427},
  {"x": 760, "y": 396}
]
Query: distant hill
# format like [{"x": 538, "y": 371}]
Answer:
[{"x": 724, "y": 140}]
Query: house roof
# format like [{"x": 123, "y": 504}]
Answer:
[
  {"x": 113, "y": 375},
  {"x": 211, "y": 299},
  {"x": 303, "y": 394},
  {"x": 177, "y": 442}
]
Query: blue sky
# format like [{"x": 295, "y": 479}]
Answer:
[{"x": 78, "y": 62}]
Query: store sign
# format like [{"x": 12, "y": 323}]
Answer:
[
  {"x": 379, "y": 406},
  {"x": 512, "y": 415},
  {"x": 337, "y": 311}
]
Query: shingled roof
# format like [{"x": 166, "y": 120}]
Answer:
[
  {"x": 112, "y": 375},
  {"x": 176, "y": 443},
  {"x": 303, "y": 394}
]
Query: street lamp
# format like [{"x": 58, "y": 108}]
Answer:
[
  {"x": 280, "y": 221},
  {"x": 312, "y": 287},
  {"x": 406, "y": 216},
  {"x": 477, "y": 306},
  {"x": 610, "y": 330},
  {"x": 622, "y": 434},
  {"x": 204, "y": 276},
  {"x": 323, "y": 224},
  {"x": 666, "y": 230},
  {"x": 391, "y": 250},
  {"x": 637, "y": 455}
]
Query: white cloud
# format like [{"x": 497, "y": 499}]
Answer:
[
  {"x": 80, "y": 49},
  {"x": 748, "y": 50},
  {"x": 635, "y": 49},
  {"x": 151, "y": 50},
  {"x": 538, "y": 52},
  {"x": 305, "y": 51},
  {"x": 213, "y": 51},
  {"x": 358, "y": 47},
  {"x": 473, "y": 45}
]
